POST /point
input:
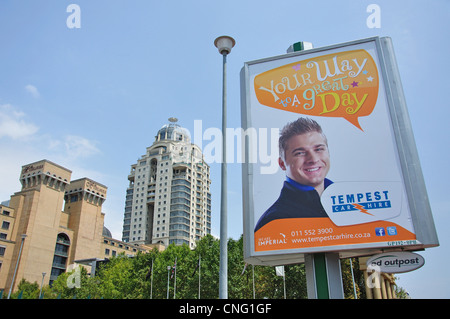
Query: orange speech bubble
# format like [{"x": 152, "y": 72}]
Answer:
[{"x": 343, "y": 84}]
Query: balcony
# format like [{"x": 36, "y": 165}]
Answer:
[
  {"x": 61, "y": 252},
  {"x": 59, "y": 265},
  {"x": 62, "y": 241},
  {"x": 179, "y": 176}
]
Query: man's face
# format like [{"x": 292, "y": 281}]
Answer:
[{"x": 306, "y": 159}]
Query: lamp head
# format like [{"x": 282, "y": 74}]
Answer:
[{"x": 224, "y": 44}]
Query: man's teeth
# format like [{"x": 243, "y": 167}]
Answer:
[{"x": 312, "y": 169}]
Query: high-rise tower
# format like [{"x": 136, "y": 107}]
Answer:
[{"x": 168, "y": 199}]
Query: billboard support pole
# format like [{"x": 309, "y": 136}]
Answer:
[
  {"x": 323, "y": 270},
  {"x": 323, "y": 276}
]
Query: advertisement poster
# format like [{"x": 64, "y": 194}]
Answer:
[{"x": 338, "y": 183}]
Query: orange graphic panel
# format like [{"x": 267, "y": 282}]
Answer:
[
  {"x": 294, "y": 233},
  {"x": 343, "y": 84}
]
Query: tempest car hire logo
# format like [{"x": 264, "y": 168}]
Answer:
[
  {"x": 361, "y": 202},
  {"x": 350, "y": 203}
]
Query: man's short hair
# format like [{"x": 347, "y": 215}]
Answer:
[{"x": 300, "y": 126}]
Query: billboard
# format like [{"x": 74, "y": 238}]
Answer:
[{"x": 342, "y": 172}]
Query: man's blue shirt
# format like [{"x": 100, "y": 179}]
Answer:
[
  {"x": 295, "y": 201},
  {"x": 306, "y": 188}
]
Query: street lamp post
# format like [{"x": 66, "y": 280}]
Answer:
[
  {"x": 168, "y": 281},
  {"x": 17, "y": 265},
  {"x": 224, "y": 44},
  {"x": 42, "y": 284}
]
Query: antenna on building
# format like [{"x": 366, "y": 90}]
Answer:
[{"x": 173, "y": 119}]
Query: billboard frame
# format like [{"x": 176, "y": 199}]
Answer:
[{"x": 409, "y": 162}]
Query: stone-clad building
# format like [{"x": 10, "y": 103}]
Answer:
[{"x": 52, "y": 223}]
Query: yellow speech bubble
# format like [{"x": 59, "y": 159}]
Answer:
[{"x": 343, "y": 84}]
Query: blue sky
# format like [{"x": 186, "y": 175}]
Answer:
[{"x": 92, "y": 98}]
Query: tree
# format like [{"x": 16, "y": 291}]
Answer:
[
  {"x": 130, "y": 277},
  {"x": 26, "y": 290},
  {"x": 88, "y": 287},
  {"x": 118, "y": 280},
  {"x": 209, "y": 250}
]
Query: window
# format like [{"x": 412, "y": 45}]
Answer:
[
  {"x": 2, "y": 250},
  {"x": 60, "y": 256},
  {"x": 5, "y": 225}
]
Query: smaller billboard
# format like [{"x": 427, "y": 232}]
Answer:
[{"x": 395, "y": 262}]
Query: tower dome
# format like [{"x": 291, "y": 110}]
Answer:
[
  {"x": 173, "y": 132},
  {"x": 106, "y": 232}
]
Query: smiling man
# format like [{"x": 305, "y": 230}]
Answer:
[{"x": 305, "y": 158}]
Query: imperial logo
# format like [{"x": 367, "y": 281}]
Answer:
[{"x": 361, "y": 202}]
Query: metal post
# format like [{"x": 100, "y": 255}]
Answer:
[
  {"x": 175, "y": 280},
  {"x": 224, "y": 44},
  {"x": 168, "y": 280},
  {"x": 323, "y": 276},
  {"x": 353, "y": 279},
  {"x": 223, "y": 272},
  {"x": 253, "y": 274},
  {"x": 42, "y": 284},
  {"x": 17, "y": 265},
  {"x": 323, "y": 270},
  {"x": 151, "y": 283},
  {"x": 199, "y": 273}
]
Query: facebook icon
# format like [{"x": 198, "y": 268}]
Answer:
[{"x": 379, "y": 231}]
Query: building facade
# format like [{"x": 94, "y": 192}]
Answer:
[
  {"x": 381, "y": 286},
  {"x": 168, "y": 199},
  {"x": 52, "y": 223}
]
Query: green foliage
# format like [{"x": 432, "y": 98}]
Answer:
[
  {"x": 131, "y": 278},
  {"x": 26, "y": 290},
  {"x": 88, "y": 287},
  {"x": 400, "y": 293}
]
